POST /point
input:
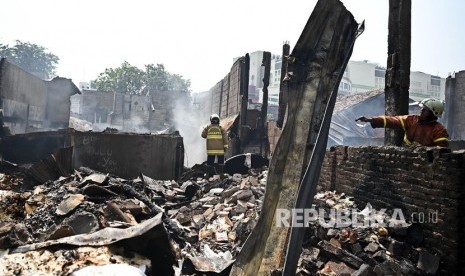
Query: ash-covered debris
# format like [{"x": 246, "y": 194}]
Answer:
[
  {"x": 203, "y": 222},
  {"x": 363, "y": 242},
  {"x": 193, "y": 226}
]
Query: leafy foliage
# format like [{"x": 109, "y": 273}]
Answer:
[
  {"x": 131, "y": 80},
  {"x": 124, "y": 79},
  {"x": 31, "y": 57}
]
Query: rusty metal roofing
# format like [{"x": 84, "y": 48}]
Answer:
[
  {"x": 228, "y": 122},
  {"x": 355, "y": 98}
]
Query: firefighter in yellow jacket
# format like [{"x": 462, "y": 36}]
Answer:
[{"x": 217, "y": 142}]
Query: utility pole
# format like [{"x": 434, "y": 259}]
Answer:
[{"x": 398, "y": 65}]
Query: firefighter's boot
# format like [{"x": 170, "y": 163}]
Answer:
[{"x": 220, "y": 170}]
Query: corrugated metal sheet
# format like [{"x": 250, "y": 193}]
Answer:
[
  {"x": 53, "y": 166},
  {"x": 228, "y": 122}
]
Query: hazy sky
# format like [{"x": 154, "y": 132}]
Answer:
[{"x": 199, "y": 39}]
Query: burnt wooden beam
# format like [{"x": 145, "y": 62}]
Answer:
[
  {"x": 398, "y": 65},
  {"x": 266, "y": 62},
  {"x": 316, "y": 64},
  {"x": 283, "y": 86},
  {"x": 244, "y": 91}
]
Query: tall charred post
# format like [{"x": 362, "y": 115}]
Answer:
[
  {"x": 398, "y": 65},
  {"x": 283, "y": 86},
  {"x": 266, "y": 62},
  {"x": 245, "y": 69}
]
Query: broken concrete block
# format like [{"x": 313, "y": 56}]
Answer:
[
  {"x": 216, "y": 191},
  {"x": 364, "y": 270},
  {"x": 335, "y": 243},
  {"x": 242, "y": 195},
  {"x": 229, "y": 192},
  {"x": 205, "y": 233},
  {"x": 371, "y": 247},
  {"x": 253, "y": 181},
  {"x": 331, "y": 233},
  {"x": 183, "y": 218},
  {"x": 221, "y": 236},
  {"x": 332, "y": 251},
  {"x": 397, "y": 248},
  {"x": 222, "y": 213},
  {"x": 310, "y": 254},
  {"x": 356, "y": 248},
  {"x": 428, "y": 262},
  {"x": 69, "y": 204},
  {"x": 380, "y": 256},
  {"x": 198, "y": 219},
  {"x": 340, "y": 268},
  {"x": 384, "y": 269},
  {"x": 15, "y": 235},
  {"x": 232, "y": 236},
  {"x": 61, "y": 232}
]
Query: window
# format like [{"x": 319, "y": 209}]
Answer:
[{"x": 380, "y": 72}]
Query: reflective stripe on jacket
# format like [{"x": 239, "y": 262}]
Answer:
[
  {"x": 217, "y": 140},
  {"x": 429, "y": 134}
]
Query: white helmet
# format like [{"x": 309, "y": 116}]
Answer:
[
  {"x": 214, "y": 116},
  {"x": 436, "y": 106}
]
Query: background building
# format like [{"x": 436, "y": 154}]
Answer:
[{"x": 366, "y": 76}]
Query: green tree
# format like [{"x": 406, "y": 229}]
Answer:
[
  {"x": 131, "y": 80},
  {"x": 156, "y": 78},
  {"x": 124, "y": 79},
  {"x": 31, "y": 57},
  {"x": 178, "y": 83}
]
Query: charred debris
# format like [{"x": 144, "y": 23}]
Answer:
[{"x": 89, "y": 221}]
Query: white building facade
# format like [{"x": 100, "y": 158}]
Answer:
[
  {"x": 359, "y": 76},
  {"x": 367, "y": 76}
]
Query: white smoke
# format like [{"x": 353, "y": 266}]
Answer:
[{"x": 189, "y": 121}]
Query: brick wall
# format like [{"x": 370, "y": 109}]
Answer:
[{"x": 416, "y": 181}]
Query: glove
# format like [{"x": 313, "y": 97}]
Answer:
[{"x": 363, "y": 119}]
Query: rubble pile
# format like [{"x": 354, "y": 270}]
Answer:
[
  {"x": 89, "y": 218},
  {"x": 380, "y": 243},
  {"x": 90, "y": 222}
]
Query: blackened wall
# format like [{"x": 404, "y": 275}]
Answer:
[
  {"x": 125, "y": 155},
  {"x": 23, "y": 98},
  {"x": 128, "y": 155},
  {"x": 416, "y": 181},
  {"x": 30, "y": 104},
  {"x": 33, "y": 147}
]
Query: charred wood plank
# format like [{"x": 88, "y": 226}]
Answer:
[{"x": 317, "y": 60}]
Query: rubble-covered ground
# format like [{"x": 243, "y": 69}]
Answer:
[
  {"x": 204, "y": 221},
  {"x": 90, "y": 223}
]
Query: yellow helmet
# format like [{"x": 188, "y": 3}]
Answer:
[{"x": 434, "y": 105}]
